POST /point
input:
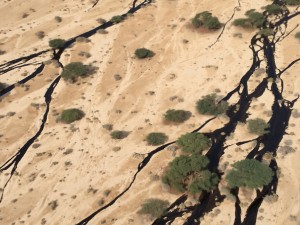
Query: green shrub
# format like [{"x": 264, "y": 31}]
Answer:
[
  {"x": 297, "y": 35},
  {"x": 242, "y": 22},
  {"x": 249, "y": 173},
  {"x": 193, "y": 142},
  {"x": 72, "y": 71},
  {"x": 206, "y": 20},
  {"x": 71, "y": 115},
  {"x": 142, "y": 53},
  {"x": 205, "y": 181},
  {"x": 258, "y": 126},
  {"x": 273, "y": 9},
  {"x": 177, "y": 116},
  {"x": 292, "y": 2},
  {"x": 117, "y": 19},
  {"x": 266, "y": 32},
  {"x": 156, "y": 138},
  {"x": 154, "y": 207},
  {"x": 254, "y": 20},
  {"x": 119, "y": 134},
  {"x": 208, "y": 105},
  {"x": 57, "y": 43},
  {"x": 189, "y": 173}
]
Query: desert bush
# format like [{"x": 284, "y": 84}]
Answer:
[
  {"x": 297, "y": 35},
  {"x": 72, "y": 71},
  {"x": 177, "y": 116},
  {"x": 154, "y": 207},
  {"x": 71, "y": 115},
  {"x": 57, "y": 43},
  {"x": 208, "y": 105},
  {"x": 2, "y": 52},
  {"x": 119, "y": 134},
  {"x": 254, "y": 20},
  {"x": 258, "y": 126},
  {"x": 249, "y": 173},
  {"x": 266, "y": 32},
  {"x": 189, "y": 173},
  {"x": 156, "y": 138},
  {"x": 58, "y": 19},
  {"x": 108, "y": 126},
  {"x": 205, "y": 19},
  {"x": 142, "y": 53},
  {"x": 117, "y": 19},
  {"x": 40, "y": 34},
  {"x": 292, "y": 2},
  {"x": 193, "y": 142},
  {"x": 102, "y": 31},
  {"x": 82, "y": 39},
  {"x": 273, "y": 9},
  {"x": 101, "y": 20},
  {"x": 205, "y": 181}
]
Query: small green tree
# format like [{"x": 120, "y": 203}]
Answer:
[
  {"x": 273, "y": 9},
  {"x": 204, "y": 181},
  {"x": 249, "y": 173},
  {"x": 208, "y": 105},
  {"x": 258, "y": 126},
  {"x": 254, "y": 20},
  {"x": 57, "y": 43},
  {"x": 119, "y": 134},
  {"x": 189, "y": 173},
  {"x": 206, "y": 20},
  {"x": 71, "y": 115},
  {"x": 117, "y": 19},
  {"x": 154, "y": 207},
  {"x": 297, "y": 35},
  {"x": 142, "y": 53},
  {"x": 177, "y": 116},
  {"x": 193, "y": 142},
  {"x": 156, "y": 138},
  {"x": 292, "y": 2},
  {"x": 73, "y": 70}
]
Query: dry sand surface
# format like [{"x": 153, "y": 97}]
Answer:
[{"x": 55, "y": 185}]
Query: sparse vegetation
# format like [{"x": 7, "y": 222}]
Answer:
[
  {"x": 71, "y": 115},
  {"x": 57, "y": 43},
  {"x": 292, "y": 2},
  {"x": 40, "y": 34},
  {"x": 177, "y": 116},
  {"x": 273, "y": 9},
  {"x": 266, "y": 32},
  {"x": 142, "y": 53},
  {"x": 193, "y": 142},
  {"x": 156, "y": 138},
  {"x": 117, "y": 19},
  {"x": 208, "y": 105},
  {"x": 206, "y": 20},
  {"x": 189, "y": 173},
  {"x": 72, "y": 71},
  {"x": 154, "y": 207},
  {"x": 249, "y": 173},
  {"x": 119, "y": 134},
  {"x": 297, "y": 35},
  {"x": 258, "y": 126},
  {"x": 254, "y": 20},
  {"x": 58, "y": 19}
]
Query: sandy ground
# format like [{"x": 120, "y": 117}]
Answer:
[{"x": 77, "y": 181}]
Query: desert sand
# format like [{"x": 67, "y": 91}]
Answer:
[{"x": 53, "y": 187}]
